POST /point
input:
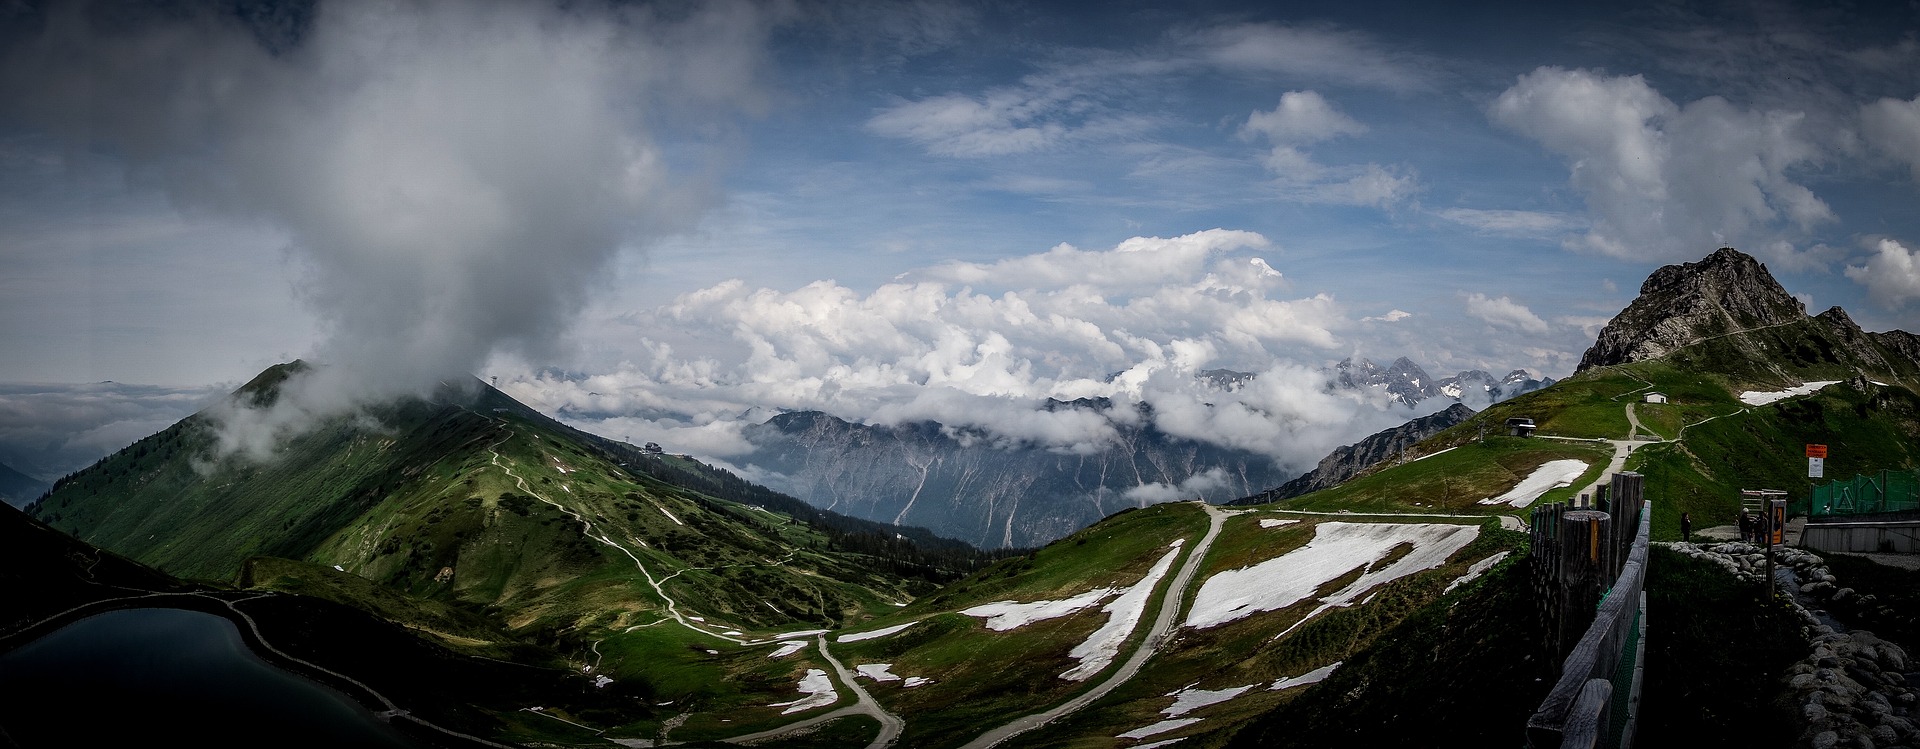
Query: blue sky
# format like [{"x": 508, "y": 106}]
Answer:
[{"x": 841, "y": 205}]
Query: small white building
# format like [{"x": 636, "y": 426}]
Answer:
[{"x": 1656, "y": 397}]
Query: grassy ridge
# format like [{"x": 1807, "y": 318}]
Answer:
[
  {"x": 1454, "y": 481},
  {"x": 1763, "y": 448}
]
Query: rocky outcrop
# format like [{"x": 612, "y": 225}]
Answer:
[
  {"x": 1726, "y": 292},
  {"x": 1351, "y": 460}
]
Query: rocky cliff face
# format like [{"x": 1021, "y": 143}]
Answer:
[
  {"x": 1727, "y": 315},
  {"x": 1351, "y": 460},
  {"x": 1724, "y": 293},
  {"x": 980, "y": 489}
]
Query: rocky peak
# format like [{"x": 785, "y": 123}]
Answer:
[{"x": 1726, "y": 292}]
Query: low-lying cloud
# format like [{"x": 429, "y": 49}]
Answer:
[
  {"x": 453, "y": 175},
  {"x": 984, "y": 345}
]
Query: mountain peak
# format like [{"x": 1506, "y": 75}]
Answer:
[{"x": 1725, "y": 292}]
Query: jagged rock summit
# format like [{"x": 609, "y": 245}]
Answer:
[{"x": 1726, "y": 292}]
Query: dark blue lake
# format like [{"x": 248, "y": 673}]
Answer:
[{"x": 145, "y": 677}]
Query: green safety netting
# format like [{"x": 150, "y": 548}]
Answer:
[{"x": 1886, "y": 491}]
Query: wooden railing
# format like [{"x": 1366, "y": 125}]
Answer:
[{"x": 1582, "y": 557}]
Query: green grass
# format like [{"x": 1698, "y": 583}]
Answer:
[
  {"x": 1457, "y": 670},
  {"x": 1245, "y": 652},
  {"x": 1717, "y": 653},
  {"x": 984, "y": 677},
  {"x": 1454, "y": 481},
  {"x": 1764, "y": 448}
]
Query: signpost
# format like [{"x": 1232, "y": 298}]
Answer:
[{"x": 1816, "y": 461}]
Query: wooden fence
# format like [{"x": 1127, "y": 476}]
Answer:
[{"x": 1583, "y": 557}]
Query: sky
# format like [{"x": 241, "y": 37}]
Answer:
[{"x": 667, "y": 220}]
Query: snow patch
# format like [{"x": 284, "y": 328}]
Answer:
[
  {"x": 914, "y": 681},
  {"x": 877, "y": 671},
  {"x": 1099, "y": 649},
  {"x": 801, "y": 633},
  {"x": 1757, "y": 398},
  {"x": 818, "y": 690},
  {"x": 1553, "y": 475},
  {"x": 1189, "y": 699},
  {"x": 732, "y": 632},
  {"x": 1160, "y": 727},
  {"x": 1479, "y": 568},
  {"x": 1336, "y": 548},
  {"x": 1275, "y": 522},
  {"x": 1004, "y": 615},
  {"x": 698, "y": 618},
  {"x": 601, "y": 682},
  {"x": 1310, "y": 677},
  {"x": 663, "y": 511},
  {"x": 1436, "y": 452},
  {"x": 882, "y": 632},
  {"x": 788, "y": 648}
]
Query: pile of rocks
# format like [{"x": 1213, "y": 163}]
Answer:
[
  {"x": 1746, "y": 561},
  {"x": 1853, "y": 691},
  {"x": 1852, "y": 687}
]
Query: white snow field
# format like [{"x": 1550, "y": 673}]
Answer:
[
  {"x": 1757, "y": 398},
  {"x": 877, "y": 671},
  {"x": 1275, "y": 522},
  {"x": 818, "y": 690},
  {"x": 882, "y": 632},
  {"x": 914, "y": 681},
  {"x": 788, "y": 648},
  {"x": 1336, "y": 548},
  {"x": 1004, "y": 615},
  {"x": 1310, "y": 677},
  {"x": 1553, "y": 475},
  {"x": 1189, "y": 699},
  {"x": 1123, "y": 614},
  {"x": 1160, "y": 727},
  {"x": 1479, "y": 568},
  {"x": 790, "y": 635}
]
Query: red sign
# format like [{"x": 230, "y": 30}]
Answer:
[{"x": 1816, "y": 451}]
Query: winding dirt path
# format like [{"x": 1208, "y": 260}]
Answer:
[{"x": 1163, "y": 625}]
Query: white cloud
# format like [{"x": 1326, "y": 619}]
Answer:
[
  {"x": 1393, "y": 316},
  {"x": 1891, "y": 275},
  {"x": 1307, "y": 53},
  {"x": 1504, "y": 313},
  {"x": 1304, "y": 117},
  {"x": 1663, "y": 181},
  {"x": 1301, "y": 117},
  {"x": 983, "y": 345},
  {"x": 1893, "y": 126},
  {"x": 1003, "y": 122},
  {"x": 1511, "y": 223}
]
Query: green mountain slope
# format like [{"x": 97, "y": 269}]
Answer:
[{"x": 494, "y": 531}]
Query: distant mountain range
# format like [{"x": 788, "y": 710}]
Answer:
[
  {"x": 970, "y": 486},
  {"x": 995, "y": 492},
  {"x": 1407, "y": 383},
  {"x": 17, "y": 488}
]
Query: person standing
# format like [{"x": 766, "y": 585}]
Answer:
[
  {"x": 1686, "y": 528},
  {"x": 1746, "y": 527}
]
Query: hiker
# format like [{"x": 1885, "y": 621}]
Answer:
[
  {"x": 1686, "y": 528},
  {"x": 1746, "y": 527}
]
